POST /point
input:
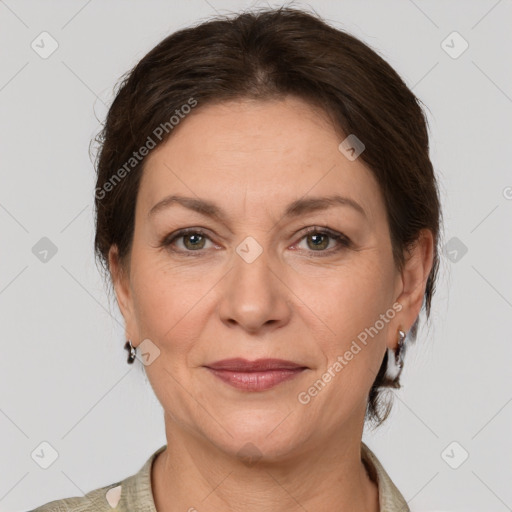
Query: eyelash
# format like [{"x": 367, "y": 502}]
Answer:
[{"x": 343, "y": 241}]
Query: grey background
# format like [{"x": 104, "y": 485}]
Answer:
[{"x": 63, "y": 372}]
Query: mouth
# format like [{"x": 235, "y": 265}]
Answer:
[{"x": 258, "y": 375}]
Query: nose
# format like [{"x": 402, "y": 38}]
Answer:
[{"x": 254, "y": 296}]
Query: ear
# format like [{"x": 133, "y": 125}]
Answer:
[
  {"x": 417, "y": 267},
  {"x": 124, "y": 296}
]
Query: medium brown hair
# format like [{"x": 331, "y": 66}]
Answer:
[{"x": 268, "y": 54}]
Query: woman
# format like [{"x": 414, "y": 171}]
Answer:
[{"x": 269, "y": 217}]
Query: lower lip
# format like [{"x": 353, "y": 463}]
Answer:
[{"x": 255, "y": 381}]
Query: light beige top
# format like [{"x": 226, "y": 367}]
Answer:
[{"x": 134, "y": 494}]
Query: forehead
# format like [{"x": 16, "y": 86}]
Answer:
[{"x": 261, "y": 153}]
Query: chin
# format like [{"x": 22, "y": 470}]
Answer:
[{"x": 260, "y": 438}]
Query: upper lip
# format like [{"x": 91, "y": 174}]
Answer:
[{"x": 243, "y": 365}]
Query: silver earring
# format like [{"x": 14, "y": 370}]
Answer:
[
  {"x": 131, "y": 351},
  {"x": 395, "y": 359},
  {"x": 399, "y": 353}
]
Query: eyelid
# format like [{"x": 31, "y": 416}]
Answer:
[
  {"x": 342, "y": 240},
  {"x": 169, "y": 239}
]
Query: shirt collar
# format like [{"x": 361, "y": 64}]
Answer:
[
  {"x": 390, "y": 498},
  {"x": 137, "y": 493}
]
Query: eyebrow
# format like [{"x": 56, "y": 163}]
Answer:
[{"x": 296, "y": 208}]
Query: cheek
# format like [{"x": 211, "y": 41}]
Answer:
[
  {"x": 351, "y": 299},
  {"x": 162, "y": 301},
  {"x": 356, "y": 310}
]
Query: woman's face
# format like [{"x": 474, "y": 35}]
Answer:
[{"x": 253, "y": 283}]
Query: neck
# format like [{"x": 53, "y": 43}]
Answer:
[{"x": 192, "y": 475}]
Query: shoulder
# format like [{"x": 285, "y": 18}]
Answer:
[
  {"x": 390, "y": 498},
  {"x": 103, "y": 499},
  {"x": 134, "y": 493}
]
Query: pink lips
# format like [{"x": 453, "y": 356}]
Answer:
[{"x": 256, "y": 375}]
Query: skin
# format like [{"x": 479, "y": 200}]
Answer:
[{"x": 252, "y": 158}]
